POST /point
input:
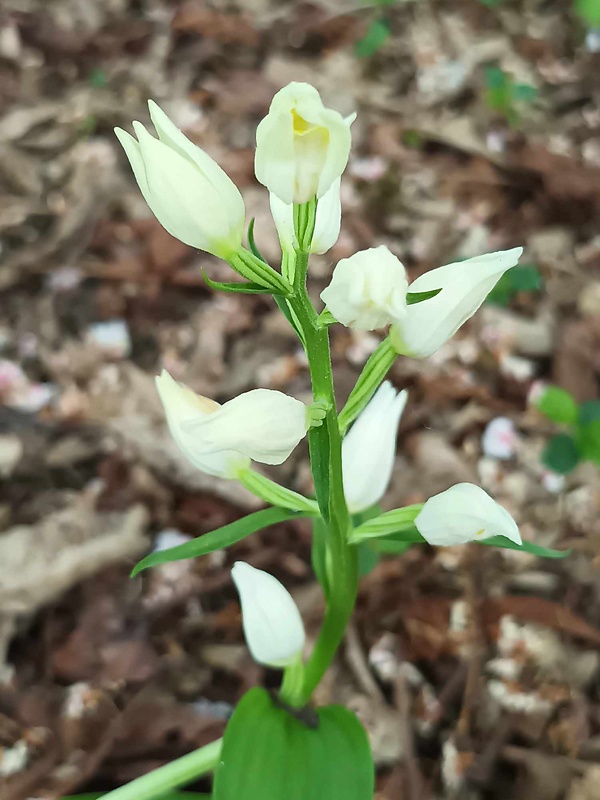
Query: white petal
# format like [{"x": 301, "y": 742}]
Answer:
[
  {"x": 272, "y": 623},
  {"x": 464, "y": 513},
  {"x": 367, "y": 290},
  {"x": 184, "y": 201},
  {"x": 133, "y": 153},
  {"x": 329, "y": 219},
  {"x": 327, "y": 224},
  {"x": 264, "y": 424},
  {"x": 301, "y": 146},
  {"x": 182, "y": 405},
  {"x": 170, "y": 134},
  {"x": 465, "y": 285},
  {"x": 369, "y": 449}
]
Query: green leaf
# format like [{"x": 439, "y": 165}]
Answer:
[
  {"x": 369, "y": 380},
  {"x": 241, "y": 287},
  {"x": 524, "y": 93},
  {"x": 589, "y": 412},
  {"x": 218, "y": 539},
  {"x": 561, "y": 454},
  {"x": 368, "y": 558},
  {"x": 373, "y": 40},
  {"x": 272, "y": 754},
  {"x": 558, "y": 405},
  {"x": 418, "y": 297},
  {"x": 253, "y": 248},
  {"x": 589, "y": 12},
  {"x": 390, "y": 546},
  {"x": 588, "y": 441},
  {"x": 398, "y": 523},
  {"x": 521, "y": 278},
  {"x": 526, "y": 547}
]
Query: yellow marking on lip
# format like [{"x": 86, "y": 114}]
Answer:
[
  {"x": 481, "y": 532},
  {"x": 301, "y": 126}
]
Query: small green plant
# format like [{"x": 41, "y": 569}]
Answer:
[
  {"x": 377, "y": 33},
  {"x": 505, "y": 96},
  {"x": 580, "y": 438},
  {"x": 522, "y": 278},
  {"x": 588, "y": 12}
]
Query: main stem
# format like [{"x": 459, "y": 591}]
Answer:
[{"x": 325, "y": 445}]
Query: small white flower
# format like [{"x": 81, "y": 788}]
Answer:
[
  {"x": 301, "y": 146},
  {"x": 262, "y": 424},
  {"x": 464, "y": 513},
  {"x": 272, "y": 623},
  {"x": 369, "y": 448},
  {"x": 367, "y": 290},
  {"x": 188, "y": 192},
  {"x": 327, "y": 223},
  {"x": 464, "y": 286},
  {"x": 182, "y": 405}
]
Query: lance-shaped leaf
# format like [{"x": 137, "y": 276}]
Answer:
[
  {"x": 218, "y": 539},
  {"x": 239, "y": 287},
  {"x": 271, "y": 753}
]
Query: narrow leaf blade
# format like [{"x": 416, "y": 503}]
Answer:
[{"x": 217, "y": 539}]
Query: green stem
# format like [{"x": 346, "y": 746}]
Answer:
[
  {"x": 293, "y": 680},
  {"x": 274, "y": 494},
  {"x": 183, "y": 770},
  {"x": 325, "y": 446},
  {"x": 369, "y": 380}
]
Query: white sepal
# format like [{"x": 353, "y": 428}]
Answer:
[
  {"x": 182, "y": 405},
  {"x": 368, "y": 450},
  {"x": 190, "y": 195},
  {"x": 327, "y": 224},
  {"x": 464, "y": 513},
  {"x": 301, "y": 146},
  {"x": 464, "y": 286},
  {"x": 368, "y": 290},
  {"x": 262, "y": 424},
  {"x": 272, "y": 623}
]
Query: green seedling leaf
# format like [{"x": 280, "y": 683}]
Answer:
[
  {"x": 558, "y": 405},
  {"x": 589, "y": 12},
  {"x": 589, "y": 412},
  {"x": 522, "y": 278},
  {"x": 418, "y": 297},
  {"x": 241, "y": 287},
  {"x": 270, "y": 753},
  {"x": 218, "y": 539},
  {"x": 588, "y": 441},
  {"x": 526, "y": 547},
  {"x": 373, "y": 40},
  {"x": 524, "y": 93},
  {"x": 561, "y": 454}
]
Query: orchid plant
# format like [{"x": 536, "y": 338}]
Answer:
[{"x": 277, "y": 745}]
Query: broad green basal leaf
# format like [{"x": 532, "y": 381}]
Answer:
[{"x": 270, "y": 754}]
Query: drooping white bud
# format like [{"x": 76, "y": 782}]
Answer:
[
  {"x": 272, "y": 623},
  {"x": 464, "y": 513},
  {"x": 369, "y": 448}
]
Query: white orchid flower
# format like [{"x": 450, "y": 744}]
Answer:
[
  {"x": 302, "y": 147},
  {"x": 263, "y": 425},
  {"x": 188, "y": 192},
  {"x": 327, "y": 224},
  {"x": 464, "y": 513},
  {"x": 367, "y": 290}
]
